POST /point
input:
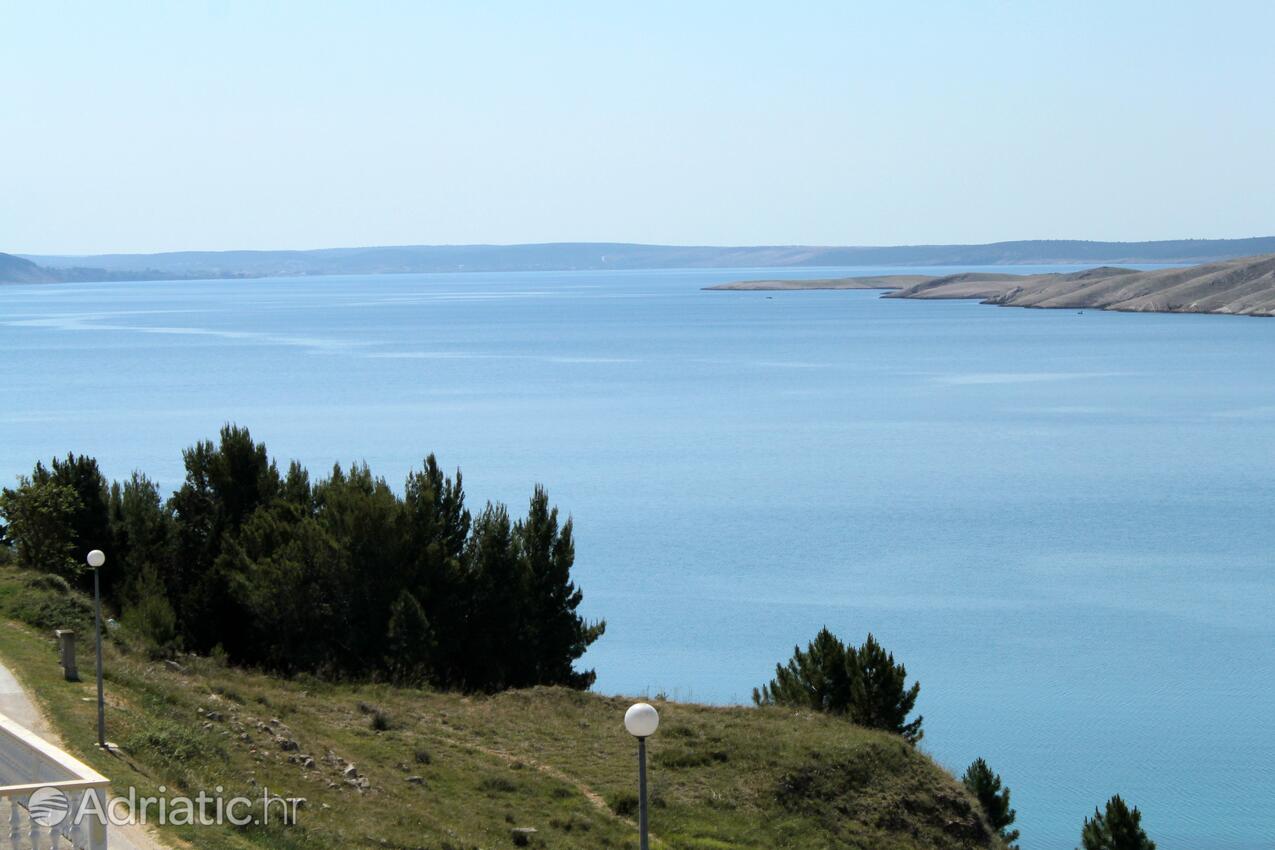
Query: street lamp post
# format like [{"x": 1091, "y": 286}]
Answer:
[
  {"x": 96, "y": 559},
  {"x": 642, "y": 720}
]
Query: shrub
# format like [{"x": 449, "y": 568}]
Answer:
[
  {"x": 624, "y": 804},
  {"x": 153, "y": 620},
  {"x": 497, "y": 784}
]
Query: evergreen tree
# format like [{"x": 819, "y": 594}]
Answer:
[
  {"x": 365, "y": 520},
  {"x": 142, "y": 537},
  {"x": 994, "y": 799},
  {"x": 556, "y": 635},
  {"x": 225, "y": 484},
  {"x": 339, "y": 576},
  {"x": 296, "y": 488},
  {"x": 881, "y": 698},
  {"x": 409, "y": 641},
  {"x": 862, "y": 683},
  {"x": 291, "y": 580},
  {"x": 90, "y": 521},
  {"x": 818, "y": 678},
  {"x": 494, "y": 626},
  {"x": 1118, "y": 828},
  {"x": 437, "y": 526}
]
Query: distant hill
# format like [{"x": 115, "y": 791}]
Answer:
[
  {"x": 565, "y": 256},
  {"x": 1240, "y": 287},
  {"x": 15, "y": 269},
  {"x": 1243, "y": 287}
]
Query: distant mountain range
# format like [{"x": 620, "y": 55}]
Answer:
[{"x": 566, "y": 256}]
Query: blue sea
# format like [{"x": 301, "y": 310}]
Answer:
[{"x": 1061, "y": 522}]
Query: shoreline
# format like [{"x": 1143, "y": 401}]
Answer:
[{"x": 1244, "y": 287}]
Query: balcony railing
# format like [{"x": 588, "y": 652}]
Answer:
[{"x": 42, "y": 794}]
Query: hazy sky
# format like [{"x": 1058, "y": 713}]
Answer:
[{"x": 161, "y": 126}]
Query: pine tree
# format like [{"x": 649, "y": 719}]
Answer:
[
  {"x": 1118, "y": 828},
  {"x": 90, "y": 522},
  {"x": 863, "y": 683},
  {"x": 437, "y": 526},
  {"x": 881, "y": 698},
  {"x": 555, "y": 633},
  {"x": 494, "y": 631},
  {"x": 409, "y": 641},
  {"x": 818, "y": 678},
  {"x": 986, "y": 786},
  {"x": 225, "y": 484},
  {"x": 142, "y": 536}
]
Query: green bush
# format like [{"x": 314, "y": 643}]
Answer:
[
  {"x": 624, "y": 804},
  {"x": 153, "y": 620}
]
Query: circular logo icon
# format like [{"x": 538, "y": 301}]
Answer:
[{"x": 48, "y": 806}]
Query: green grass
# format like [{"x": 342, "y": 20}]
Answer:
[{"x": 454, "y": 772}]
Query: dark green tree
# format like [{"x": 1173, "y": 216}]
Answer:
[
  {"x": 556, "y": 635},
  {"x": 225, "y": 483},
  {"x": 881, "y": 698},
  {"x": 993, "y": 797},
  {"x": 437, "y": 526},
  {"x": 409, "y": 641},
  {"x": 296, "y": 488},
  {"x": 364, "y": 518},
  {"x": 291, "y": 581},
  {"x": 863, "y": 683},
  {"x": 1118, "y": 828},
  {"x": 494, "y": 657},
  {"x": 817, "y": 678},
  {"x": 338, "y": 576},
  {"x": 39, "y": 518},
  {"x": 90, "y": 521},
  {"x": 142, "y": 539}
]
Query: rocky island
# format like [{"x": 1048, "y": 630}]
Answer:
[{"x": 1243, "y": 287}]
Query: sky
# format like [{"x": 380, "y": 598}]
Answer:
[{"x": 156, "y": 126}]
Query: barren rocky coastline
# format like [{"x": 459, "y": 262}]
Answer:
[{"x": 1243, "y": 287}]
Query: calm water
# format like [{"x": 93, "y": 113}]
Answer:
[{"x": 1061, "y": 522}]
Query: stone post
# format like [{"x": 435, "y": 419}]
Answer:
[{"x": 66, "y": 638}]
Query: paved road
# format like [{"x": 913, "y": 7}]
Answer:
[{"x": 17, "y": 704}]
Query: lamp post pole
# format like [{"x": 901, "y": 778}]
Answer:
[
  {"x": 642, "y": 720},
  {"x": 96, "y": 559},
  {"x": 642, "y": 836}
]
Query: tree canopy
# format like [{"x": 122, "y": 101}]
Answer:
[
  {"x": 993, "y": 797},
  {"x": 1117, "y": 828},
  {"x": 339, "y": 576},
  {"x": 863, "y": 683}
]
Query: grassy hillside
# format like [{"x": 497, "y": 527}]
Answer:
[{"x": 450, "y": 772}]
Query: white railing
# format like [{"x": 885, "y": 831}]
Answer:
[{"x": 34, "y": 773}]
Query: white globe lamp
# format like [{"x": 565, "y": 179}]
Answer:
[{"x": 641, "y": 720}]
